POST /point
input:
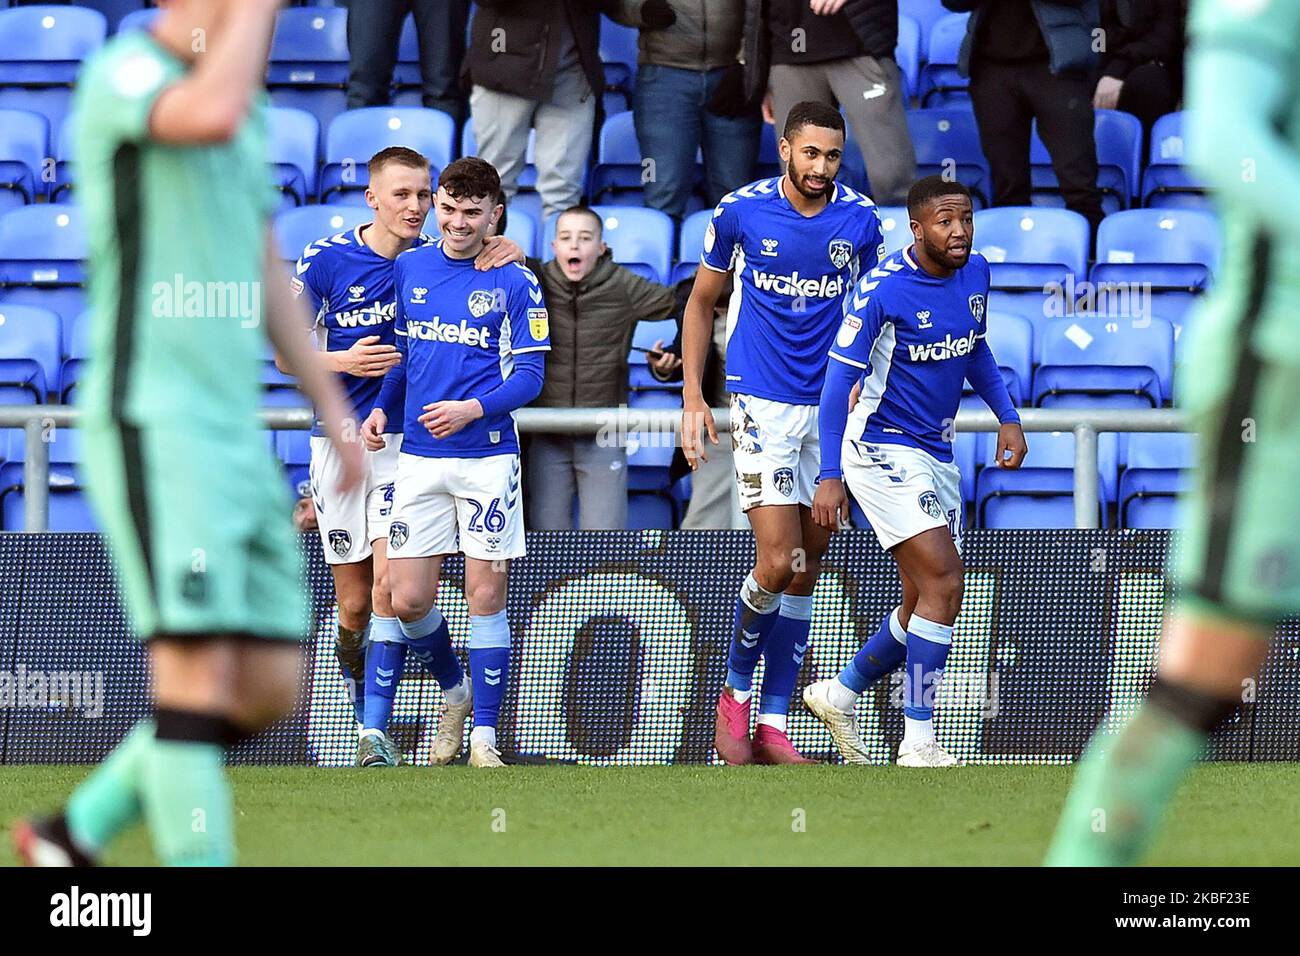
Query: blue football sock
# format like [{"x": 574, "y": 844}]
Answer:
[
  {"x": 882, "y": 653},
  {"x": 385, "y": 661},
  {"x": 783, "y": 654},
  {"x": 428, "y": 640},
  {"x": 756, "y": 614},
  {"x": 928, "y": 644},
  {"x": 489, "y": 665}
]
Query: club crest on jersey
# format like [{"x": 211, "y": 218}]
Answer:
[
  {"x": 841, "y": 251},
  {"x": 929, "y": 502},
  {"x": 783, "y": 479},
  {"x": 341, "y": 542},
  {"x": 977, "y": 307},
  {"x": 539, "y": 324},
  {"x": 398, "y": 532},
  {"x": 418, "y": 295},
  {"x": 356, "y": 293},
  {"x": 480, "y": 303}
]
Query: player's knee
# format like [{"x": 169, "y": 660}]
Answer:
[
  {"x": 354, "y": 608},
  {"x": 775, "y": 570},
  {"x": 805, "y": 579},
  {"x": 381, "y": 597},
  {"x": 486, "y": 598},
  {"x": 948, "y": 589},
  {"x": 410, "y": 605}
]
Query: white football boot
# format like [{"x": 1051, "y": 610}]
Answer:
[
  {"x": 927, "y": 753},
  {"x": 843, "y": 727}
]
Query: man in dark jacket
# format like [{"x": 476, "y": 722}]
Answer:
[
  {"x": 1141, "y": 68},
  {"x": 1027, "y": 60},
  {"x": 594, "y": 306},
  {"x": 536, "y": 64},
  {"x": 839, "y": 52}
]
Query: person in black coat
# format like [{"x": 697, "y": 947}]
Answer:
[{"x": 1141, "y": 68}]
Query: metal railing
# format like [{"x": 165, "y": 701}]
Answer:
[{"x": 1086, "y": 424}]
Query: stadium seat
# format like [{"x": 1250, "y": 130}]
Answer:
[
  {"x": 29, "y": 354},
  {"x": 941, "y": 84},
  {"x": 1011, "y": 337},
  {"x": 1158, "y": 468},
  {"x": 618, "y": 176},
  {"x": 295, "y": 143},
  {"x": 65, "y": 149},
  {"x": 1167, "y": 183},
  {"x": 769, "y": 155},
  {"x": 1171, "y": 249},
  {"x": 1040, "y": 494},
  {"x": 618, "y": 55},
  {"x": 521, "y": 226},
  {"x": 633, "y": 234},
  {"x": 356, "y": 135},
  {"x": 649, "y": 511},
  {"x": 295, "y": 228},
  {"x": 138, "y": 20},
  {"x": 406, "y": 72},
  {"x": 1028, "y": 246},
  {"x": 309, "y": 61},
  {"x": 1100, "y": 362},
  {"x": 650, "y": 453},
  {"x": 690, "y": 244},
  {"x": 640, "y": 377},
  {"x": 76, "y": 349},
  {"x": 1118, "y": 137},
  {"x": 967, "y": 448},
  {"x": 949, "y": 135},
  {"x": 293, "y": 446},
  {"x": 41, "y": 49},
  {"x": 926, "y": 13},
  {"x": 907, "y": 53},
  {"x": 69, "y": 509},
  {"x": 42, "y": 253},
  {"x": 24, "y": 144},
  {"x": 896, "y": 226}
]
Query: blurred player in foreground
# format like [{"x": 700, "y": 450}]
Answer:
[
  {"x": 172, "y": 175},
  {"x": 1238, "y": 567},
  {"x": 796, "y": 246},
  {"x": 348, "y": 279},
  {"x": 916, "y": 332},
  {"x": 472, "y": 347}
]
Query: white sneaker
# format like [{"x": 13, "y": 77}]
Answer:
[
  {"x": 483, "y": 754},
  {"x": 843, "y": 727},
  {"x": 926, "y": 754},
  {"x": 451, "y": 730}
]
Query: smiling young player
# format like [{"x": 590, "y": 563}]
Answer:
[
  {"x": 472, "y": 348},
  {"x": 916, "y": 332}
]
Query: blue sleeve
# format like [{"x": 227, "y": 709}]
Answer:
[
  {"x": 309, "y": 278},
  {"x": 983, "y": 375},
  {"x": 530, "y": 327},
  {"x": 521, "y": 386},
  {"x": 720, "y": 238},
  {"x": 861, "y": 326},
  {"x": 392, "y": 393},
  {"x": 833, "y": 415},
  {"x": 873, "y": 243}
]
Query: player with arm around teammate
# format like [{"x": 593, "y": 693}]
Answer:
[{"x": 915, "y": 332}]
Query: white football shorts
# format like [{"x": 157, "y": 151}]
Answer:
[
  {"x": 349, "y": 521},
  {"x": 777, "y": 451},
  {"x": 903, "y": 490},
  {"x": 445, "y": 505}
]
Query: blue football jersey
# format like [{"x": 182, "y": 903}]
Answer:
[
  {"x": 793, "y": 274},
  {"x": 458, "y": 330},
  {"x": 914, "y": 336},
  {"x": 350, "y": 287}
]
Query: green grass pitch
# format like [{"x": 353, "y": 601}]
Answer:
[{"x": 1228, "y": 814}]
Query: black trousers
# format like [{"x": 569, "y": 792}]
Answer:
[
  {"x": 1007, "y": 98},
  {"x": 1149, "y": 92},
  {"x": 374, "y": 28}
]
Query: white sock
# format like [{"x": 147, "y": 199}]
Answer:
[
  {"x": 773, "y": 720},
  {"x": 742, "y": 695},
  {"x": 842, "y": 697},
  {"x": 487, "y": 735},
  {"x": 371, "y": 732},
  {"x": 916, "y": 731},
  {"x": 459, "y": 694}
]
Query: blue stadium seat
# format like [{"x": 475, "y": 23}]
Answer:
[
  {"x": 640, "y": 377},
  {"x": 926, "y": 13},
  {"x": 1011, "y": 337},
  {"x": 896, "y": 226},
  {"x": 941, "y": 84},
  {"x": 353, "y": 137},
  {"x": 633, "y": 234},
  {"x": 114, "y": 11},
  {"x": 309, "y": 61},
  {"x": 293, "y": 446},
  {"x": 1167, "y": 183},
  {"x": 76, "y": 349},
  {"x": 24, "y": 144},
  {"x": 41, "y": 49},
  {"x": 907, "y": 53},
  {"x": 138, "y": 20},
  {"x": 690, "y": 244},
  {"x": 967, "y": 449},
  {"x": 618, "y": 176},
  {"x": 948, "y": 135},
  {"x": 42, "y": 255},
  {"x": 295, "y": 228},
  {"x": 1040, "y": 494},
  {"x": 295, "y": 145},
  {"x": 65, "y": 150},
  {"x": 649, "y": 511},
  {"x": 1091, "y": 362},
  {"x": 1172, "y": 249},
  {"x": 521, "y": 226},
  {"x": 1029, "y": 246},
  {"x": 406, "y": 72},
  {"x": 1118, "y": 137},
  {"x": 29, "y": 354},
  {"x": 769, "y": 154},
  {"x": 1158, "y": 468},
  {"x": 618, "y": 54},
  {"x": 69, "y": 509}
]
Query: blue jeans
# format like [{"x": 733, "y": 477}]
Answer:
[{"x": 672, "y": 123}]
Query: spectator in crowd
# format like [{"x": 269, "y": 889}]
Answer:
[
  {"x": 1141, "y": 68},
  {"x": 1033, "y": 60},
  {"x": 839, "y": 52},
  {"x": 374, "y": 28},
  {"x": 594, "y": 306},
  {"x": 536, "y": 65},
  {"x": 688, "y": 97}
]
